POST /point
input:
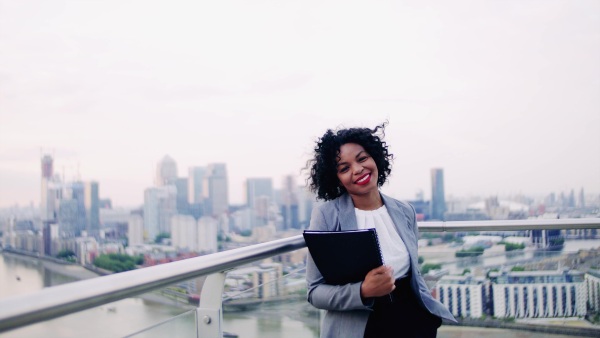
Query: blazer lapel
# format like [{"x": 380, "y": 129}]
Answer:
[{"x": 347, "y": 215}]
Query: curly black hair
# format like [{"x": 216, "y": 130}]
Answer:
[{"x": 323, "y": 178}]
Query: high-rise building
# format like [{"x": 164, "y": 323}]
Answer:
[
  {"x": 135, "y": 230},
  {"x": 262, "y": 210},
  {"x": 198, "y": 236},
  {"x": 207, "y": 234},
  {"x": 50, "y": 191},
  {"x": 160, "y": 204},
  {"x": 581, "y": 201},
  {"x": 306, "y": 202},
  {"x": 215, "y": 189},
  {"x": 72, "y": 219},
  {"x": 181, "y": 201},
  {"x": 196, "y": 184},
  {"x": 571, "y": 200},
  {"x": 50, "y": 235},
  {"x": 289, "y": 204},
  {"x": 166, "y": 171},
  {"x": 92, "y": 207},
  {"x": 438, "y": 200},
  {"x": 257, "y": 187},
  {"x": 184, "y": 231}
]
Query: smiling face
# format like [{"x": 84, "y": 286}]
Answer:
[{"x": 356, "y": 170}]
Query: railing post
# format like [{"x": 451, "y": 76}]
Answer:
[{"x": 210, "y": 315}]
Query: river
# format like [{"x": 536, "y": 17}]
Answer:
[{"x": 20, "y": 275}]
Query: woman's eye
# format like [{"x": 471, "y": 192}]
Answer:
[
  {"x": 343, "y": 170},
  {"x": 362, "y": 159}
]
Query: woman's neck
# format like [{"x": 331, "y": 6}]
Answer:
[{"x": 371, "y": 201}]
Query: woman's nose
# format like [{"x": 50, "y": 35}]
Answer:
[{"x": 358, "y": 168}]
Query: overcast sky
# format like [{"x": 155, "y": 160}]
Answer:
[{"x": 504, "y": 95}]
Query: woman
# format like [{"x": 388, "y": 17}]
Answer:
[{"x": 348, "y": 168}]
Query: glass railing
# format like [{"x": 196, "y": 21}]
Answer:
[
  {"x": 183, "y": 325},
  {"x": 277, "y": 308},
  {"x": 274, "y": 304}
]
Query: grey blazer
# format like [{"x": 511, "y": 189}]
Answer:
[{"x": 346, "y": 315}]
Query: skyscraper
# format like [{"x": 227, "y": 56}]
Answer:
[
  {"x": 289, "y": 204},
  {"x": 215, "y": 189},
  {"x": 92, "y": 207},
  {"x": 72, "y": 218},
  {"x": 166, "y": 171},
  {"x": 135, "y": 230},
  {"x": 51, "y": 191},
  {"x": 160, "y": 204},
  {"x": 181, "y": 184},
  {"x": 196, "y": 184},
  {"x": 438, "y": 200},
  {"x": 256, "y": 187},
  {"x": 581, "y": 202}
]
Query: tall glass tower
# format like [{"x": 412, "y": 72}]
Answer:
[
  {"x": 438, "y": 201},
  {"x": 215, "y": 189},
  {"x": 166, "y": 171}
]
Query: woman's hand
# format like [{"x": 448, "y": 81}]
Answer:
[{"x": 378, "y": 282}]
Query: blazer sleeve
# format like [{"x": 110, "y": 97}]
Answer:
[{"x": 325, "y": 296}]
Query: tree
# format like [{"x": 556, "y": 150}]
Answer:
[
  {"x": 487, "y": 275},
  {"x": 430, "y": 266},
  {"x": 159, "y": 238},
  {"x": 512, "y": 246},
  {"x": 471, "y": 252},
  {"x": 117, "y": 262},
  {"x": 67, "y": 255}
]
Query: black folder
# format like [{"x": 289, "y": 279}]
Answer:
[{"x": 344, "y": 257}]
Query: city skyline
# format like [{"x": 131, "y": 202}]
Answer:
[
  {"x": 503, "y": 97},
  {"x": 419, "y": 194}
]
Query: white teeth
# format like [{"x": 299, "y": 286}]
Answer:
[{"x": 363, "y": 179}]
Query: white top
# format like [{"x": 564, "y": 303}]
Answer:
[{"x": 392, "y": 247}]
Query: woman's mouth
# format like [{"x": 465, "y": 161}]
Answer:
[{"x": 364, "y": 179}]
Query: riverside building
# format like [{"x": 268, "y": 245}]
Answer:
[
  {"x": 539, "y": 294},
  {"x": 464, "y": 296},
  {"x": 592, "y": 279}
]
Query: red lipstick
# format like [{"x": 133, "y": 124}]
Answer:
[{"x": 364, "y": 179}]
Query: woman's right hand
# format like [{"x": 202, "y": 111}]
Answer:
[{"x": 378, "y": 282}]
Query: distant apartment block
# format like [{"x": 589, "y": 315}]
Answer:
[
  {"x": 592, "y": 280},
  {"x": 464, "y": 296},
  {"x": 539, "y": 294},
  {"x": 266, "y": 280},
  {"x": 135, "y": 230},
  {"x": 190, "y": 234}
]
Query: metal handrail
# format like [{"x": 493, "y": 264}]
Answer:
[
  {"x": 511, "y": 225},
  {"x": 69, "y": 298}
]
